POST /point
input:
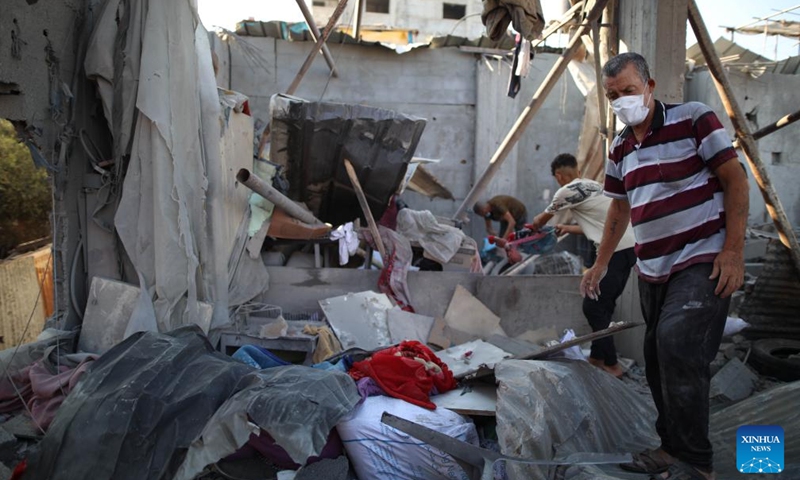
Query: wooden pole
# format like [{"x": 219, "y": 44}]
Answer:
[
  {"x": 746, "y": 140},
  {"x": 601, "y": 101},
  {"x": 773, "y": 127},
  {"x": 609, "y": 45},
  {"x": 362, "y": 200},
  {"x": 317, "y": 46},
  {"x": 527, "y": 115},
  {"x": 307, "y": 64},
  {"x": 315, "y": 34}
]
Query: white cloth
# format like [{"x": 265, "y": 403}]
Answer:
[
  {"x": 589, "y": 207},
  {"x": 348, "y": 242},
  {"x": 440, "y": 242}
]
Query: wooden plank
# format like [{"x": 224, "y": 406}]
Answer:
[{"x": 362, "y": 200}]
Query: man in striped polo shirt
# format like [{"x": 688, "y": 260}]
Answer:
[{"x": 673, "y": 173}]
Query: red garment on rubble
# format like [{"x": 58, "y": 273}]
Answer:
[{"x": 409, "y": 372}]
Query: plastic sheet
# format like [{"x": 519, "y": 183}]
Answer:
[
  {"x": 549, "y": 409},
  {"x": 163, "y": 406}
]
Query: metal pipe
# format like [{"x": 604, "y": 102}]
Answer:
[
  {"x": 258, "y": 185},
  {"x": 530, "y": 111}
]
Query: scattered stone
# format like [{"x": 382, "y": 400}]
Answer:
[{"x": 734, "y": 382}]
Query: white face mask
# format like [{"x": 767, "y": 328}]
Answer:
[{"x": 631, "y": 109}]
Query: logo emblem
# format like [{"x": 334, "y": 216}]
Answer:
[{"x": 759, "y": 449}]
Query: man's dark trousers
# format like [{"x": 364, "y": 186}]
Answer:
[
  {"x": 599, "y": 312},
  {"x": 685, "y": 321}
]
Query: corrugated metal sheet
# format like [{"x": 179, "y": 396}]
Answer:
[
  {"x": 773, "y": 306},
  {"x": 726, "y": 50}
]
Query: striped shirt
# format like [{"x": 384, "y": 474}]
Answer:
[{"x": 677, "y": 210}]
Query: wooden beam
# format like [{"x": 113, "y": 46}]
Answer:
[
  {"x": 746, "y": 140},
  {"x": 601, "y": 101},
  {"x": 609, "y": 47},
  {"x": 315, "y": 34},
  {"x": 362, "y": 200},
  {"x": 528, "y": 113},
  {"x": 773, "y": 127}
]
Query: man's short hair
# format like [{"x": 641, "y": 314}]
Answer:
[
  {"x": 563, "y": 160},
  {"x": 478, "y": 207},
  {"x": 613, "y": 67}
]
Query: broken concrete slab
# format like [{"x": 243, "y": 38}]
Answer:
[
  {"x": 108, "y": 312},
  {"x": 472, "y": 399},
  {"x": 359, "y": 319},
  {"x": 469, "y": 318},
  {"x": 734, "y": 382},
  {"x": 439, "y": 335},
  {"x": 514, "y": 346},
  {"x": 330, "y": 469},
  {"x": 468, "y": 358},
  {"x": 539, "y": 336},
  {"x": 408, "y": 326}
]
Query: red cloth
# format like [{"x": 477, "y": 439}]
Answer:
[{"x": 409, "y": 372}]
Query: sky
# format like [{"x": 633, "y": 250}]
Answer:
[{"x": 716, "y": 13}]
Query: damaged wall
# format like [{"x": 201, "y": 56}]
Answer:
[
  {"x": 764, "y": 100},
  {"x": 462, "y": 98},
  {"x": 39, "y": 45}
]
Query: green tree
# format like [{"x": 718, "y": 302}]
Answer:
[{"x": 25, "y": 199}]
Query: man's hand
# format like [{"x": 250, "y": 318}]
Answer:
[
  {"x": 539, "y": 221},
  {"x": 562, "y": 229},
  {"x": 729, "y": 268},
  {"x": 590, "y": 283}
]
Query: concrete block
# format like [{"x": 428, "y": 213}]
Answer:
[
  {"x": 108, "y": 311},
  {"x": 470, "y": 318},
  {"x": 408, "y": 326},
  {"x": 359, "y": 319},
  {"x": 732, "y": 383}
]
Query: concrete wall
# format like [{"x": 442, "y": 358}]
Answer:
[
  {"x": 523, "y": 303},
  {"x": 657, "y": 30},
  {"x": 462, "y": 96},
  {"x": 422, "y": 15},
  {"x": 555, "y": 129},
  {"x": 764, "y": 100}
]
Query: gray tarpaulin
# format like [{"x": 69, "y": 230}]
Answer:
[
  {"x": 298, "y": 406},
  {"x": 152, "y": 62},
  {"x": 142, "y": 407},
  {"x": 548, "y": 409}
]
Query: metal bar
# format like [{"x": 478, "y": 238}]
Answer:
[
  {"x": 362, "y": 200},
  {"x": 528, "y": 113},
  {"x": 258, "y": 185},
  {"x": 315, "y": 34},
  {"x": 773, "y": 127},
  {"x": 767, "y": 17},
  {"x": 746, "y": 140}
]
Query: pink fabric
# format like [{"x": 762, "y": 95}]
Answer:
[{"x": 42, "y": 391}]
